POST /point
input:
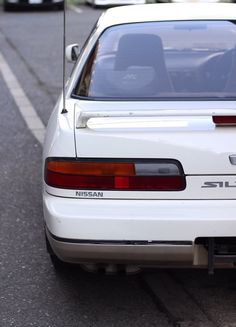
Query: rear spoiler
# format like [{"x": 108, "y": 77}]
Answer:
[{"x": 82, "y": 117}]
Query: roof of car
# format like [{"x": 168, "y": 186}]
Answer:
[{"x": 168, "y": 12}]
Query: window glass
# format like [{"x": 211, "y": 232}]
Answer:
[{"x": 163, "y": 60}]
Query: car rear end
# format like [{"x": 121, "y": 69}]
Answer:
[
  {"x": 141, "y": 194},
  {"x": 136, "y": 177}
]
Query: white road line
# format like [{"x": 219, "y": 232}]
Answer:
[
  {"x": 24, "y": 105},
  {"x": 75, "y": 9}
]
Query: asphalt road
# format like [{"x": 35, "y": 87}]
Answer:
[{"x": 31, "y": 293}]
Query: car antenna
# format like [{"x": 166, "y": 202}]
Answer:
[{"x": 64, "y": 111}]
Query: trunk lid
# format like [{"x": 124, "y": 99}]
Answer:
[{"x": 190, "y": 137}]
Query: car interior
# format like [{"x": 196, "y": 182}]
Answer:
[{"x": 141, "y": 67}]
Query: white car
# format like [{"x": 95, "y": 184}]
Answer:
[
  {"x": 96, "y": 3},
  {"x": 199, "y": 1},
  {"x": 140, "y": 165}
]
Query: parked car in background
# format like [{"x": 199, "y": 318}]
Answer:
[
  {"x": 199, "y": 1},
  {"x": 13, "y": 4},
  {"x": 95, "y": 3},
  {"x": 140, "y": 163}
]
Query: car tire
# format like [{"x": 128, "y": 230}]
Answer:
[
  {"x": 60, "y": 6},
  {"x": 6, "y": 6},
  {"x": 94, "y": 6},
  {"x": 57, "y": 263}
]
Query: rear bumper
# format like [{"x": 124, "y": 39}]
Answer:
[
  {"x": 112, "y": 252},
  {"x": 145, "y": 231}
]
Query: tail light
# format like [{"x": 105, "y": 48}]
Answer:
[
  {"x": 224, "y": 120},
  {"x": 157, "y": 175}
]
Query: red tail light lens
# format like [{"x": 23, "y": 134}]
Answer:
[
  {"x": 224, "y": 120},
  {"x": 109, "y": 175}
]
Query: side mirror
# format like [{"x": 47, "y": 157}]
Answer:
[{"x": 72, "y": 52}]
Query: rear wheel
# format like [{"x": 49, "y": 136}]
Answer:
[
  {"x": 6, "y": 6},
  {"x": 60, "y": 6},
  {"x": 93, "y": 4},
  {"x": 57, "y": 263}
]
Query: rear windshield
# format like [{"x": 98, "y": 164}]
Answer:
[{"x": 162, "y": 60}]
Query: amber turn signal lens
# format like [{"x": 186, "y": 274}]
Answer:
[{"x": 91, "y": 168}]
